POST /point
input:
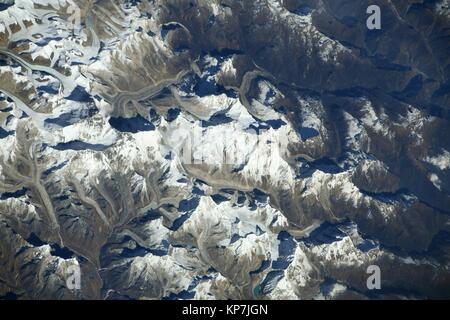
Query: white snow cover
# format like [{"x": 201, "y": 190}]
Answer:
[
  {"x": 152, "y": 269},
  {"x": 442, "y": 161},
  {"x": 261, "y": 154},
  {"x": 340, "y": 186},
  {"x": 217, "y": 224},
  {"x": 356, "y": 133},
  {"x": 298, "y": 275},
  {"x": 89, "y": 132},
  {"x": 443, "y": 8},
  {"x": 375, "y": 121},
  {"x": 228, "y": 68}
]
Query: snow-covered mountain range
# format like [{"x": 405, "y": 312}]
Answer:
[{"x": 224, "y": 149}]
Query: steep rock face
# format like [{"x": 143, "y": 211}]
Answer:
[{"x": 270, "y": 149}]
